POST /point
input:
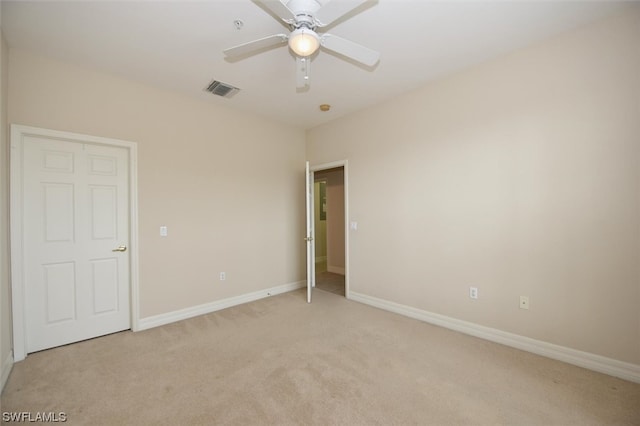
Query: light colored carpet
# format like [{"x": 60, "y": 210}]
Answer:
[{"x": 334, "y": 362}]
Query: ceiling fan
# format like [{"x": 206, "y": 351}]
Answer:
[{"x": 304, "y": 17}]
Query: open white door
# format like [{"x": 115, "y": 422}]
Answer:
[{"x": 311, "y": 266}]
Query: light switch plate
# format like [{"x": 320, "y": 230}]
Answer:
[
  {"x": 163, "y": 231},
  {"x": 473, "y": 292}
]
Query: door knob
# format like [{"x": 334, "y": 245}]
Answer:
[{"x": 120, "y": 248}]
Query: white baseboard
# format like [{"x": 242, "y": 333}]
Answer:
[
  {"x": 335, "y": 269},
  {"x": 7, "y": 365},
  {"x": 169, "y": 317},
  {"x": 601, "y": 364}
]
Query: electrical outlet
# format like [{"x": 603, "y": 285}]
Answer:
[
  {"x": 223, "y": 276},
  {"x": 524, "y": 302},
  {"x": 473, "y": 292}
]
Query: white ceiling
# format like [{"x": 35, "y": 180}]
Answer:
[{"x": 178, "y": 45}]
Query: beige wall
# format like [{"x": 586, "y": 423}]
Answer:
[
  {"x": 226, "y": 184},
  {"x": 5, "y": 294},
  {"x": 520, "y": 176}
]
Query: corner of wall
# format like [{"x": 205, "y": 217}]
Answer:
[{"x": 6, "y": 355}]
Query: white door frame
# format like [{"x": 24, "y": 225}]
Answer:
[
  {"x": 18, "y": 261},
  {"x": 345, "y": 165}
]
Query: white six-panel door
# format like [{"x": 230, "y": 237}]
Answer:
[{"x": 76, "y": 230}]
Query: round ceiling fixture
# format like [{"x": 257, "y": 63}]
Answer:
[
  {"x": 325, "y": 107},
  {"x": 304, "y": 42}
]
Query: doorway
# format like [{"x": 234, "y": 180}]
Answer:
[
  {"x": 329, "y": 229},
  {"x": 73, "y": 237}
]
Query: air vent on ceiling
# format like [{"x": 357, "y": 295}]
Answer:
[{"x": 222, "y": 89}]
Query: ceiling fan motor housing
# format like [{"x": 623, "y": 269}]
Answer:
[
  {"x": 304, "y": 12},
  {"x": 304, "y": 40}
]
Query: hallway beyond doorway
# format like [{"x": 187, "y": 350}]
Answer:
[{"x": 329, "y": 281}]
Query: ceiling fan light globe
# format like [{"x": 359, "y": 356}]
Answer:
[{"x": 304, "y": 42}]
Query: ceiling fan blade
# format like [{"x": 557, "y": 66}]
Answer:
[
  {"x": 279, "y": 9},
  {"x": 303, "y": 66},
  {"x": 352, "y": 50},
  {"x": 334, "y": 10},
  {"x": 252, "y": 46}
]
